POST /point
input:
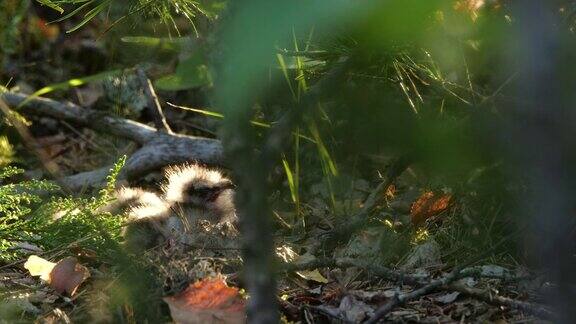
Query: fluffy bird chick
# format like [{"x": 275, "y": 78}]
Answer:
[
  {"x": 197, "y": 206},
  {"x": 146, "y": 212},
  {"x": 203, "y": 190},
  {"x": 129, "y": 198}
]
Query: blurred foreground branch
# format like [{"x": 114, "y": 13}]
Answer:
[{"x": 540, "y": 134}]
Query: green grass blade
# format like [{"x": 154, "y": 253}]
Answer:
[
  {"x": 73, "y": 12},
  {"x": 324, "y": 154},
  {"x": 70, "y": 84},
  {"x": 51, "y": 5},
  {"x": 221, "y": 116},
  {"x": 89, "y": 15},
  {"x": 290, "y": 178},
  {"x": 284, "y": 69}
]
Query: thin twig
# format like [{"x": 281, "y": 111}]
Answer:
[
  {"x": 398, "y": 300},
  {"x": 459, "y": 271},
  {"x": 153, "y": 102},
  {"x": 531, "y": 308}
]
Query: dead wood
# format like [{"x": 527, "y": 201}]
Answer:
[
  {"x": 158, "y": 148},
  {"x": 494, "y": 299},
  {"x": 400, "y": 299},
  {"x": 426, "y": 285}
]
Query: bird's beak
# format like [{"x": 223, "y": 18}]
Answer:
[{"x": 228, "y": 185}]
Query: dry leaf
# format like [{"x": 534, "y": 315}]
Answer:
[
  {"x": 64, "y": 276},
  {"x": 350, "y": 309},
  {"x": 67, "y": 275},
  {"x": 447, "y": 298},
  {"x": 313, "y": 275},
  {"x": 38, "y": 266},
  {"x": 427, "y": 206},
  {"x": 207, "y": 301}
]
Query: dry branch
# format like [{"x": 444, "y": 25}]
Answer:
[
  {"x": 400, "y": 299},
  {"x": 527, "y": 307},
  {"x": 426, "y": 285},
  {"x": 73, "y": 113},
  {"x": 158, "y": 149}
]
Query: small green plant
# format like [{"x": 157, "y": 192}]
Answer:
[
  {"x": 26, "y": 217},
  {"x": 19, "y": 213}
]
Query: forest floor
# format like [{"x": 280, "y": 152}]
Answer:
[{"x": 411, "y": 263}]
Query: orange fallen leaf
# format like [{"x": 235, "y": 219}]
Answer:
[
  {"x": 207, "y": 301},
  {"x": 65, "y": 276},
  {"x": 427, "y": 206}
]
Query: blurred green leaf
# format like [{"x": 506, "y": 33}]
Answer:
[
  {"x": 396, "y": 22},
  {"x": 165, "y": 44},
  {"x": 191, "y": 73},
  {"x": 258, "y": 27}
]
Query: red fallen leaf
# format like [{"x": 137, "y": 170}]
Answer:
[
  {"x": 427, "y": 206},
  {"x": 207, "y": 301},
  {"x": 64, "y": 276},
  {"x": 67, "y": 275}
]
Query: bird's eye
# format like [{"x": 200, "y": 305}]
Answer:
[
  {"x": 227, "y": 185},
  {"x": 197, "y": 191},
  {"x": 202, "y": 191}
]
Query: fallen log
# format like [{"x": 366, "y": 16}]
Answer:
[{"x": 157, "y": 148}]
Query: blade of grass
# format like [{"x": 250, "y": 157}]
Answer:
[
  {"x": 70, "y": 84},
  {"x": 297, "y": 171},
  {"x": 221, "y": 116},
  {"x": 284, "y": 69},
  {"x": 89, "y": 15},
  {"x": 51, "y": 5},
  {"x": 290, "y": 178},
  {"x": 73, "y": 12},
  {"x": 327, "y": 163},
  {"x": 322, "y": 150}
]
